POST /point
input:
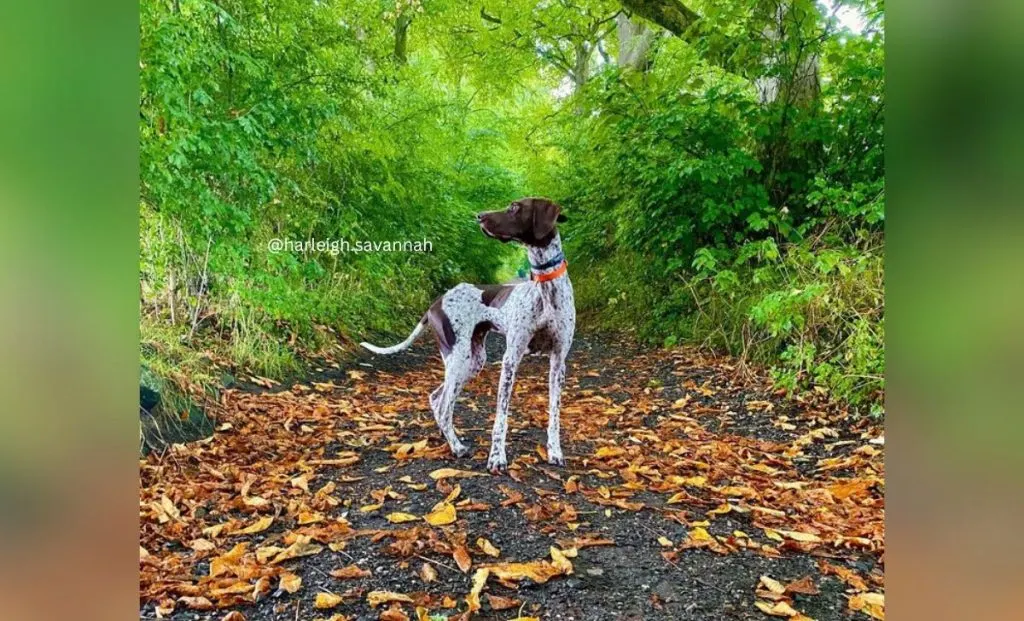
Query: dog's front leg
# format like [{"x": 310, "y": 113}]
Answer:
[
  {"x": 514, "y": 351},
  {"x": 556, "y": 381}
]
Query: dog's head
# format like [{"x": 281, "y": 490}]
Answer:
[{"x": 531, "y": 221}]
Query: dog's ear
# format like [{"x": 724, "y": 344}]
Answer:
[{"x": 545, "y": 214}]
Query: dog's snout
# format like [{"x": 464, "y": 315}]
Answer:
[{"x": 479, "y": 217}]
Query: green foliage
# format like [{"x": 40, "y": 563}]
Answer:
[
  {"x": 289, "y": 120},
  {"x": 727, "y": 189},
  {"x": 715, "y": 216}
]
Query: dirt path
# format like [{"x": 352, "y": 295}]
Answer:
[{"x": 684, "y": 486}]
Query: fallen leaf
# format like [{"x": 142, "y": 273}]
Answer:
[
  {"x": 776, "y": 609},
  {"x": 665, "y": 542},
  {"x": 560, "y": 562},
  {"x": 234, "y": 615},
  {"x": 442, "y": 514},
  {"x": 427, "y": 573},
  {"x": 326, "y": 600},
  {"x": 350, "y": 572},
  {"x": 398, "y": 517},
  {"x": 448, "y": 473},
  {"x": 804, "y": 586},
  {"x": 479, "y": 580},
  {"x": 461, "y": 556},
  {"x": 376, "y": 598},
  {"x": 772, "y": 585},
  {"x": 497, "y": 602},
  {"x": 196, "y": 603},
  {"x": 487, "y": 548},
  {"x": 871, "y": 604},
  {"x": 258, "y": 526},
  {"x": 289, "y": 582}
]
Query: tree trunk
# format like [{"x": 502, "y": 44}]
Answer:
[
  {"x": 635, "y": 40},
  {"x": 671, "y": 15},
  {"x": 402, "y": 38},
  {"x": 581, "y": 64}
]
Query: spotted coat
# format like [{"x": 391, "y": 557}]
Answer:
[{"x": 534, "y": 316}]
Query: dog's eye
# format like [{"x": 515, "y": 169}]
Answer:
[{"x": 514, "y": 208}]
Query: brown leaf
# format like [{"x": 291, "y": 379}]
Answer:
[
  {"x": 447, "y": 473},
  {"x": 427, "y": 573},
  {"x": 804, "y": 586},
  {"x": 196, "y": 603},
  {"x": 497, "y": 602},
  {"x": 461, "y": 556},
  {"x": 351, "y": 572},
  {"x": 376, "y": 598}
]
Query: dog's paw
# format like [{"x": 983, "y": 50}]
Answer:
[
  {"x": 556, "y": 460},
  {"x": 461, "y": 451},
  {"x": 497, "y": 465}
]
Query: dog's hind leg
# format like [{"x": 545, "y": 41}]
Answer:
[{"x": 457, "y": 371}]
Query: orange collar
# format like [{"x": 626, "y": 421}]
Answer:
[{"x": 551, "y": 275}]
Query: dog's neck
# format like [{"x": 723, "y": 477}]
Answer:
[{"x": 546, "y": 256}]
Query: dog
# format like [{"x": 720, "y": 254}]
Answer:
[{"x": 536, "y": 316}]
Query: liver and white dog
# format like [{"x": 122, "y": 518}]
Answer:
[{"x": 536, "y": 316}]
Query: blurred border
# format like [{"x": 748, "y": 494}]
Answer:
[
  {"x": 69, "y": 309},
  {"x": 954, "y": 294}
]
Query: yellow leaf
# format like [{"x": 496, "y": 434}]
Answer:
[
  {"x": 799, "y": 536},
  {"x": 301, "y": 482},
  {"x": 487, "y": 547},
  {"x": 448, "y": 473},
  {"x": 773, "y": 585},
  {"x": 609, "y": 451},
  {"x": 289, "y": 583},
  {"x": 370, "y": 508},
  {"x": 301, "y": 547},
  {"x": 443, "y": 513},
  {"x": 454, "y": 493},
  {"x": 777, "y": 609},
  {"x": 700, "y": 534},
  {"x": 871, "y": 604},
  {"x": 665, "y": 542},
  {"x": 538, "y": 571},
  {"x": 309, "y": 517},
  {"x": 258, "y": 526},
  {"x": 326, "y": 600},
  {"x": 266, "y": 553},
  {"x": 376, "y": 598},
  {"x": 561, "y": 563},
  {"x": 398, "y": 517},
  {"x": 479, "y": 580}
]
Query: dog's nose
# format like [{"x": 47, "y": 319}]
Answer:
[{"x": 479, "y": 217}]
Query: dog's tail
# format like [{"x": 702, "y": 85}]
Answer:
[{"x": 394, "y": 349}]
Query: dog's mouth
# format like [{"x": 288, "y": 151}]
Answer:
[{"x": 501, "y": 238}]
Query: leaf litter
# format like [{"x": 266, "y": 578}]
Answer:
[{"x": 344, "y": 500}]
